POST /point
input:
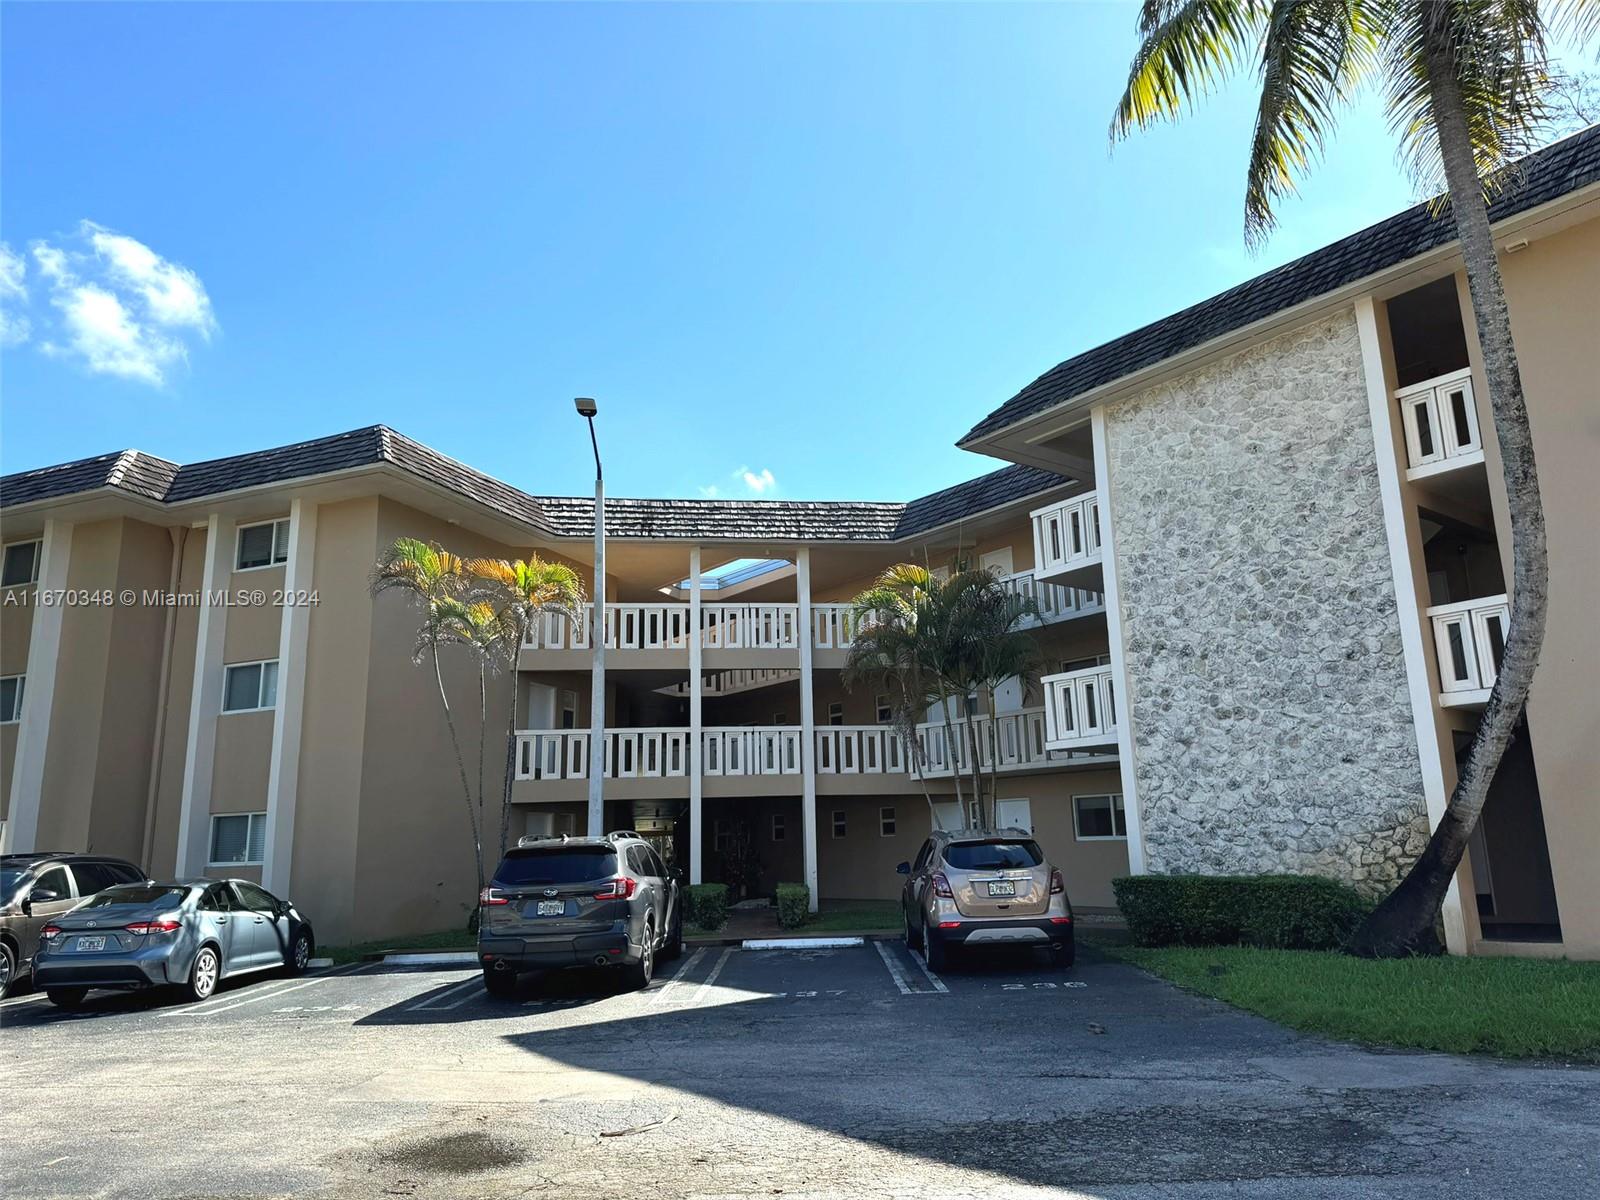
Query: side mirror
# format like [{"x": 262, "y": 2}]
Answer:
[
  {"x": 42, "y": 896},
  {"x": 903, "y": 869}
]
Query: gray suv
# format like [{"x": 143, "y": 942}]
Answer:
[
  {"x": 38, "y": 886},
  {"x": 574, "y": 902}
]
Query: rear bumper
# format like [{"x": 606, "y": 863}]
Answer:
[
  {"x": 979, "y": 932},
  {"x": 579, "y": 950},
  {"x": 124, "y": 971}
]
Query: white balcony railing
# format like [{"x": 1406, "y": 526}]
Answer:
[
  {"x": 834, "y": 626},
  {"x": 751, "y": 750},
  {"x": 860, "y": 750},
  {"x": 1066, "y": 536},
  {"x": 1471, "y": 639},
  {"x": 1440, "y": 420},
  {"x": 750, "y": 626},
  {"x": 630, "y": 753},
  {"x": 652, "y": 626},
  {"x": 1055, "y": 603},
  {"x": 1017, "y": 738},
  {"x": 1080, "y": 709}
]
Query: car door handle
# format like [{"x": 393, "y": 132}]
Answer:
[
  {"x": 222, "y": 920},
  {"x": 261, "y": 920}
]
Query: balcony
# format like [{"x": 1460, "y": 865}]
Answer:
[
  {"x": 1080, "y": 709},
  {"x": 1470, "y": 638},
  {"x": 1055, "y": 603},
  {"x": 1011, "y": 741},
  {"x": 1066, "y": 541},
  {"x": 1440, "y": 419}
]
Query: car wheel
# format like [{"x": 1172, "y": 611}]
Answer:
[
  {"x": 203, "y": 975},
  {"x": 913, "y": 940},
  {"x": 638, "y": 975},
  {"x": 674, "y": 946},
  {"x": 935, "y": 953},
  {"x": 8, "y": 969},
  {"x": 499, "y": 984},
  {"x": 66, "y": 997},
  {"x": 299, "y": 953}
]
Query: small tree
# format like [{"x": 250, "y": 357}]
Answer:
[{"x": 884, "y": 657}]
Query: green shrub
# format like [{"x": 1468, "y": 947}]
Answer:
[
  {"x": 707, "y": 905},
  {"x": 794, "y": 904},
  {"x": 1277, "y": 912}
]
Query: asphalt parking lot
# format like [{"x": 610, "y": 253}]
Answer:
[{"x": 818, "y": 1073}]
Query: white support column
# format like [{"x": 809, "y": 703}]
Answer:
[
  {"x": 38, "y": 692},
  {"x": 1119, "y": 667},
  {"x": 1407, "y": 608},
  {"x": 205, "y": 700},
  {"x": 283, "y": 781},
  {"x": 808, "y": 730},
  {"x": 697, "y": 840}
]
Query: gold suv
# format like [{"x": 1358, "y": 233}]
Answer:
[{"x": 984, "y": 887}]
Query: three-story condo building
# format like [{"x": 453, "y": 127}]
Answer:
[{"x": 1267, "y": 537}]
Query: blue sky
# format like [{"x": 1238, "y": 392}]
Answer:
[{"x": 794, "y": 251}]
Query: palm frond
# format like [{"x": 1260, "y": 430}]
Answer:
[{"x": 1189, "y": 48}]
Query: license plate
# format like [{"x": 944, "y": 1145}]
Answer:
[
  {"x": 552, "y": 908},
  {"x": 91, "y": 943},
  {"x": 1002, "y": 887}
]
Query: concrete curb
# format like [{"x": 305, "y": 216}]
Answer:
[
  {"x": 786, "y": 942},
  {"x": 801, "y": 943},
  {"x": 408, "y": 958},
  {"x": 319, "y": 963}
]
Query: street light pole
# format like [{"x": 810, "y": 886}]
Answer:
[{"x": 597, "y": 639}]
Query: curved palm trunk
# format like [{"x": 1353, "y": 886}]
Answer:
[
  {"x": 511, "y": 768},
  {"x": 1404, "y": 922},
  {"x": 461, "y": 767}
]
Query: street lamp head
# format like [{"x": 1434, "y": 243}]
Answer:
[{"x": 586, "y": 407}]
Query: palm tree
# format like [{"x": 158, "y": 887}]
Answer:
[
  {"x": 1464, "y": 83},
  {"x": 1000, "y": 649},
  {"x": 885, "y": 656},
  {"x": 432, "y": 578},
  {"x": 519, "y": 593}
]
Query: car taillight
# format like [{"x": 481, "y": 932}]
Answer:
[
  {"x": 50, "y": 932},
  {"x": 941, "y": 886},
  {"x": 1057, "y": 884},
  {"x": 489, "y": 896},
  {"x": 159, "y": 925},
  {"x": 620, "y": 888}
]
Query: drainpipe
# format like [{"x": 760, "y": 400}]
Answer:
[{"x": 179, "y": 535}]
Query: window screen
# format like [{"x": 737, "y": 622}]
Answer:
[
  {"x": 11, "y": 698},
  {"x": 238, "y": 838},
  {"x": 21, "y": 564},
  {"x": 263, "y": 545}
]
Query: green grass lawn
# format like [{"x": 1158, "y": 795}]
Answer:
[
  {"x": 860, "y": 916},
  {"x": 450, "y": 939},
  {"x": 1520, "y": 1008}
]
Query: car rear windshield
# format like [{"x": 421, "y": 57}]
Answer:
[
  {"x": 556, "y": 865},
  {"x": 135, "y": 893},
  {"x": 992, "y": 856}
]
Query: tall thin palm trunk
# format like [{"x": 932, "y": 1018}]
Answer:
[
  {"x": 977, "y": 764},
  {"x": 952, "y": 752},
  {"x": 994, "y": 759},
  {"x": 1404, "y": 922},
  {"x": 461, "y": 766},
  {"x": 511, "y": 769}
]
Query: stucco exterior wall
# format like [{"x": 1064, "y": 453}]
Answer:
[{"x": 1272, "y": 729}]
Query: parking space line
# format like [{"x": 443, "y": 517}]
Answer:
[
  {"x": 922, "y": 965},
  {"x": 211, "y": 1012},
  {"x": 19, "y": 1001},
  {"x": 433, "y": 1001},
  {"x": 678, "y": 977},
  {"x": 895, "y": 973},
  {"x": 705, "y": 988}
]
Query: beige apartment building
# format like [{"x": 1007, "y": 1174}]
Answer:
[{"x": 1267, "y": 537}]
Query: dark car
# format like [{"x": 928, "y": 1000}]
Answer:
[
  {"x": 985, "y": 888},
  {"x": 36, "y": 887},
  {"x": 573, "y": 902},
  {"x": 190, "y": 934}
]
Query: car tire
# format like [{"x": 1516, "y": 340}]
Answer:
[
  {"x": 913, "y": 940},
  {"x": 204, "y": 974},
  {"x": 70, "y": 997},
  {"x": 637, "y": 976},
  {"x": 674, "y": 946},
  {"x": 935, "y": 953},
  {"x": 499, "y": 984},
  {"x": 8, "y": 969},
  {"x": 299, "y": 954}
]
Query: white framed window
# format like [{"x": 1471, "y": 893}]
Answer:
[
  {"x": 11, "y": 698},
  {"x": 249, "y": 687},
  {"x": 885, "y": 709},
  {"x": 569, "y": 710},
  {"x": 1099, "y": 818},
  {"x": 836, "y": 713},
  {"x": 778, "y": 827},
  {"x": 838, "y": 823},
  {"x": 21, "y": 564},
  {"x": 886, "y": 822},
  {"x": 721, "y": 836},
  {"x": 262, "y": 545},
  {"x": 238, "y": 839}
]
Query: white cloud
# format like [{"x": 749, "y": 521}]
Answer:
[
  {"x": 710, "y": 492},
  {"x": 14, "y": 324},
  {"x": 758, "y": 482},
  {"x": 122, "y": 309},
  {"x": 743, "y": 483}
]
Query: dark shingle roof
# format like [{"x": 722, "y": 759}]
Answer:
[
  {"x": 1537, "y": 179},
  {"x": 551, "y": 516}
]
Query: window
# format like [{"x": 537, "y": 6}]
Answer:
[
  {"x": 886, "y": 822},
  {"x": 217, "y": 899},
  {"x": 53, "y": 880},
  {"x": 264, "y": 545},
  {"x": 238, "y": 839},
  {"x": 885, "y": 710},
  {"x": 95, "y": 877},
  {"x": 779, "y": 718},
  {"x": 836, "y": 713},
  {"x": 1099, "y": 818},
  {"x": 541, "y": 866},
  {"x": 657, "y": 867},
  {"x": 637, "y": 862},
  {"x": 21, "y": 564},
  {"x": 11, "y": 698},
  {"x": 137, "y": 893},
  {"x": 838, "y": 822},
  {"x": 778, "y": 829},
  {"x": 256, "y": 899},
  {"x": 923, "y": 856},
  {"x": 993, "y": 856},
  {"x": 569, "y": 710},
  {"x": 721, "y": 836},
  {"x": 250, "y": 686}
]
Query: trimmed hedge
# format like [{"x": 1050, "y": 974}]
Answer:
[
  {"x": 794, "y": 904},
  {"x": 707, "y": 905},
  {"x": 1275, "y": 912}
]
